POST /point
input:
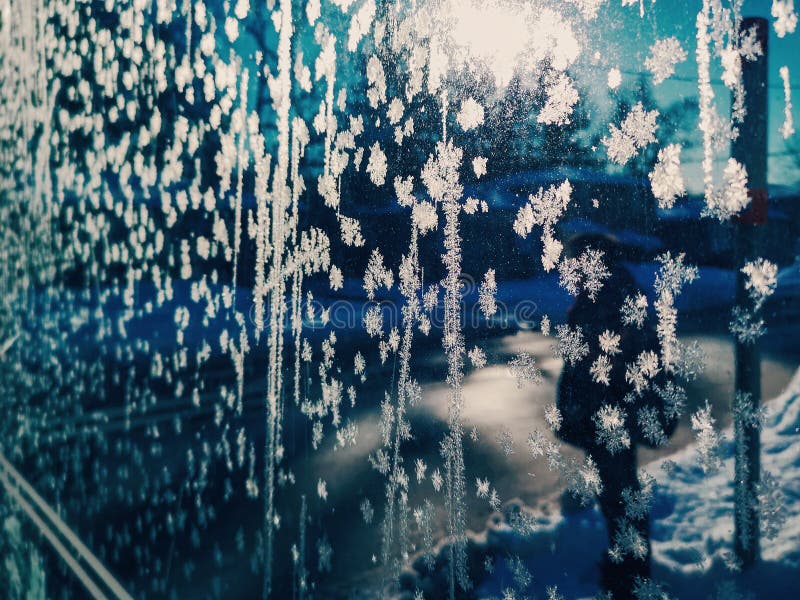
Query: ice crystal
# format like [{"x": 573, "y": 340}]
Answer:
[
  {"x": 638, "y": 502},
  {"x": 673, "y": 274},
  {"x": 436, "y": 480},
  {"x": 785, "y": 17},
  {"x": 561, "y": 98},
  {"x": 322, "y": 489},
  {"x": 650, "y": 426},
  {"x": 347, "y": 435},
  {"x": 670, "y": 279},
  {"x": 674, "y": 398},
  {"x": 482, "y": 488},
  {"x": 732, "y": 198},
  {"x": 376, "y": 167},
  {"x": 536, "y": 444},
  {"x": 572, "y": 347},
  {"x": 584, "y": 273},
  {"x": 419, "y": 469},
  {"x": 787, "y": 128},
  {"x": 772, "y": 510},
  {"x": 609, "y": 342},
  {"x": 523, "y": 369},
  {"x": 373, "y": 321},
  {"x": 522, "y": 576},
  {"x": 324, "y": 555},
  {"x": 522, "y": 522},
  {"x": 553, "y": 593},
  {"x": 761, "y": 280},
  {"x": 614, "y": 78},
  {"x": 636, "y": 131},
  {"x": 395, "y": 111},
  {"x": 628, "y": 541},
  {"x": 544, "y": 209},
  {"x": 506, "y": 441},
  {"x": 313, "y": 11},
  {"x": 690, "y": 361},
  {"x": 488, "y": 564},
  {"x": 635, "y": 2},
  {"x": 664, "y": 55},
  {"x": 494, "y": 500},
  {"x": 175, "y": 121},
  {"x": 376, "y": 275},
  {"x": 708, "y": 440},
  {"x": 745, "y": 325},
  {"x": 359, "y": 364},
  {"x": 583, "y": 480},
  {"x": 479, "y": 166},
  {"x": 403, "y": 189},
  {"x": 610, "y": 430},
  {"x": 471, "y": 114},
  {"x": 335, "y": 278},
  {"x": 642, "y": 371},
  {"x": 746, "y": 415},
  {"x": 376, "y": 93},
  {"x": 474, "y": 435},
  {"x": 424, "y": 217},
  {"x": 440, "y": 173},
  {"x": 351, "y": 231},
  {"x": 477, "y": 357},
  {"x": 666, "y": 180},
  {"x": 553, "y": 416},
  {"x": 601, "y": 370},
  {"x": 486, "y": 295},
  {"x": 545, "y": 325}
]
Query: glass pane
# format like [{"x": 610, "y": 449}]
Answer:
[{"x": 422, "y": 298}]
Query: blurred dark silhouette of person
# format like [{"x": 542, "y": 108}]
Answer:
[{"x": 580, "y": 397}]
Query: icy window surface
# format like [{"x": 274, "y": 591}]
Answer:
[{"x": 410, "y": 298}]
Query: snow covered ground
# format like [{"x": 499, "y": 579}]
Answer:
[
  {"x": 691, "y": 527},
  {"x": 692, "y": 537}
]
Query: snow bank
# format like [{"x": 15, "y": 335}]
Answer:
[{"x": 691, "y": 531}]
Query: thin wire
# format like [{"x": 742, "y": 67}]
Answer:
[{"x": 717, "y": 82}]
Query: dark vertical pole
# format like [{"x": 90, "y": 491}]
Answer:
[{"x": 750, "y": 149}]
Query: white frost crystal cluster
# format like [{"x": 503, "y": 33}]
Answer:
[
  {"x": 708, "y": 440},
  {"x": 584, "y": 273},
  {"x": 376, "y": 167},
  {"x": 664, "y": 55},
  {"x": 544, "y": 209},
  {"x": 471, "y": 114},
  {"x": 637, "y": 131},
  {"x": 477, "y": 357},
  {"x": 787, "y": 127},
  {"x": 614, "y": 78},
  {"x": 561, "y": 98},
  {"x": 610, "y": 429},
  {"x": 785, "y": 17},
  {"x": 523, "y": 368},
  {"x": 487, "y": 293},
  {"x": 732, "y": 198},
  {"x": 479, "y": 166},
  {"x": 572, "y": 346},
  {"x": 762, "y": 279},
  {"x": 666, "y": 180}
]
